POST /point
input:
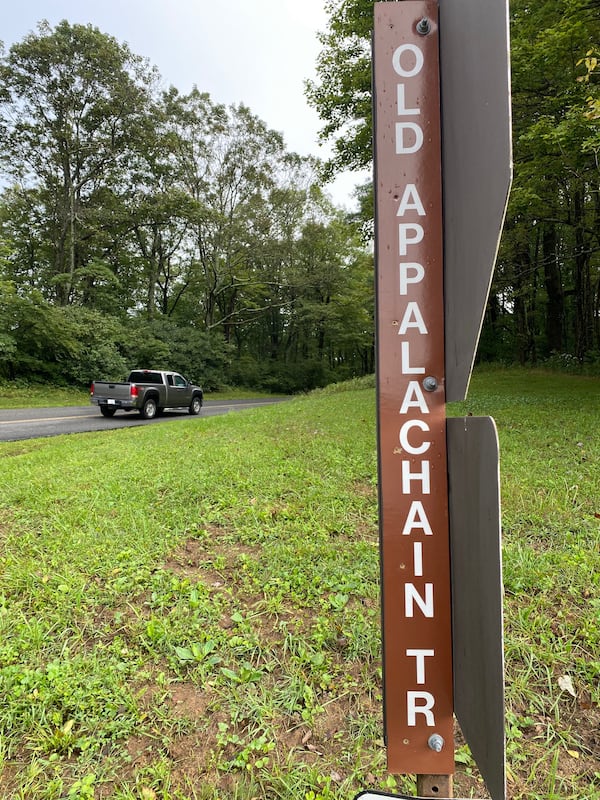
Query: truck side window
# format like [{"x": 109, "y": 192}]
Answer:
[
  {"x": 179, "y": 381},
  {"x": 170, "y": 380}
]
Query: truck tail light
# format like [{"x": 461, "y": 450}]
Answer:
[
  {"x": 134, "y": 390},
  {"x": 92, "y": 388}
]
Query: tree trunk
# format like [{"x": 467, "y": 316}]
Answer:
[
  {"x": 523, "y": 269},
  {"x": 554, "y": 290},
  {"x": 584, "y": 326}
]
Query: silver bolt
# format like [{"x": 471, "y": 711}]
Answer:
[
  {"x": 430, "y": 383},
  {"x": 423, "y": 27},
  {"x": 435, "y": 742}
]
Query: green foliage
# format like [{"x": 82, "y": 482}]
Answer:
[
  {"x": 342, "y": 93},
  {"x": 186, "y": 224},
  {"x": 282, "y": 378},
  {"x": 38, "y": 337},
  {"x": 549, "y": 271},
  {"x": 45, "y": 342},
  {"x": 8, "y": 344},
  {"x": 545, "y": 294},
  {"x": 589, "y": 77},
  {"x": 72, "y": 108},
  {"x": 97, "y": 354},
  {"x": 203, "y": 358}
]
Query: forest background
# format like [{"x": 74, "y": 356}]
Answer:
[{"x": 143, "y": 227}]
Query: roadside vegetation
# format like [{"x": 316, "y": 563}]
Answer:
[
  {"x": 190, "y": 611},
  {"x": 48, "y": 396},
  {"x": 40, "y": 396}
]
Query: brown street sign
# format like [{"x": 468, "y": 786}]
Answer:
[{"x": 415, "y": 553}]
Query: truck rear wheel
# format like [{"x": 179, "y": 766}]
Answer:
[
  {"x": 107, "y": 411},
  {"x": 195, "y": 405},
  {"x": 148, "y": 410}
]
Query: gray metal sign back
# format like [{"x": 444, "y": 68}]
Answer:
[
  {"x": 478, "y": 650},
  {"x": 476, "y": 147}
]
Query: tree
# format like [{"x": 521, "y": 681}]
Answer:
[
  {"x": 341, "y": 94},
  {"x": 249, "y": 196},
  {"x": 147, "y": 228},
  {"x": 546, "y": 294},
  {"x": 238, "y": 176},
  {"x": 554, "y": 200},
  {"x": 38, "y": 338},
  {"x": 72, "y": 109},
  {"x": 8, "y": 338}
]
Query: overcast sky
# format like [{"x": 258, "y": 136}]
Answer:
[{"x": 258, "y": 52}]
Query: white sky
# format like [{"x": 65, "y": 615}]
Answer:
[{"x": 258, "y": 52}]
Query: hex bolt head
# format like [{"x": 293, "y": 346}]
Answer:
[
  {"x": 435, "y": 742},
  {"x": 430, "y": 383},
  {"x": 423, "y": 26}
]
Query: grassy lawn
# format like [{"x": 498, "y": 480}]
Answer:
[
  {"x": 12, "y": 396},
  {"x": 191, "y": 610}
]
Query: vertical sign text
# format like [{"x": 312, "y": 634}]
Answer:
[{"x": 411, "y": 403}]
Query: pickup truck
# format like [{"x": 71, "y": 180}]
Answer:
[{"x": 147, "y": 391}]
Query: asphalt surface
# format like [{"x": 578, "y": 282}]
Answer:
[{"x": 32, "y": 423}]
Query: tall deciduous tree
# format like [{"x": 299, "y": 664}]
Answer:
[
  {"x": 72, "y": 107},
  {"x": 341, "y": 94}
]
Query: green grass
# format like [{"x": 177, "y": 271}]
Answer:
[
  {"x": 36, "y": 396},
  {"x": 44, "y": 396},
  {"x": 191, "y": 610}
]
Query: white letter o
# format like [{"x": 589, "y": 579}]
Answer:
[{"x": 419, "y": 60}]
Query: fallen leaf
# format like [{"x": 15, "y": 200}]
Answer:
[
  {"x": 573, "y": 753},
  {"x": 68, "y": 726},
  {"x": 307, "y": 737},
  {"x": 566, "y": 684}
]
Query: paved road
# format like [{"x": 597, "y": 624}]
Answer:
[{"x": 31, "y": 423}]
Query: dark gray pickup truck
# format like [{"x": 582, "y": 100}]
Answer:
[{"x": 147, "y": 391}]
